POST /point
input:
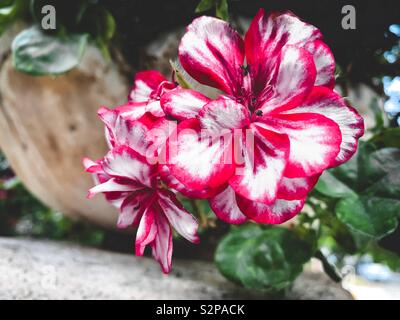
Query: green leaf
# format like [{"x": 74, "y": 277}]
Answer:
[
  {"x": 330, "y": 186},
  {"x": 106, "y": 25},
  {"x": 180, "y": 74},
  {"x": 378, "y": 115},
  {"x": 371, "y": 216},
  {"x": 204, "y": 5},
  {"x": 222, "y": 10},
  {"x": 381, "y": 255},
  {"x": 390, "y": 137},
  {"x": 11, "y": 10},
  {"x": 230, "y": 249},
  {"x": 187, "y": 82},
  {"x": 338, "y": 71},
  {"x": 347, "y": 173},
  {"x": 369, "y": 189},
  {"x": 37, "y": 53},
  {"x": 372, "y": 210},
  {"x": 380, "y": 172},
  {"x": 266, "y": 259}
]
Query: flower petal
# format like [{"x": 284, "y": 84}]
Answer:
[
  {"x": 314, "y": 141},
  {"x": 181, "y": 220},
  {"x": 109, "y": 117},
  {"x": 223, "y": 114},
  {"x": 175, "y": 184},
  {"x": 112, "y": 185},
  {"x": 145, "y": 135},
  {"x": 92, "y": 166},
  {"x": 292, "y": 81},
  {"x": 199, "y": 160},
  {"x": 147, "y": 230},
  {"x": 162, "y": 244},
  {"x": 116, "y": 199},
  {"x": 267, "y": 36},
  {"x": 132, "y": 208},
  {"x": 329, "y": 104},
  {"x": 264, "y": 164},
  {"x": 135, "y": 110},
  {"x": 124, "y": 163},
  {"x": 296, "y": 188},
  {"x": 144, "y": 84},
  {"x": 225, "y": 207},
  {"x": 212, "y": 52},
  {"x": 276, "y": 213},
  {"x": 324, "y": 62},
  {"x": 131, "y": 111},
  {"x": 182, "y": 103}
]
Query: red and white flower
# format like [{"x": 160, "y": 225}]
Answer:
[
  {"x": 132, "y": 184},
  {"x": 148, "y": 88},
  {"x": 277, "y": 86}
]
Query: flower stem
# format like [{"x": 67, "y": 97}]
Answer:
[
  {"x": 329, "y": 269},
  {"x": 199, "y": 213}
]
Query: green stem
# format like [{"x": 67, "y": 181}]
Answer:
[
  {"x": 199, "y": 213},
  {"x": 329, "y": 269}
]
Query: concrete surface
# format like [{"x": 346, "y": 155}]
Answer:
[{"x": 33, "y": 269}]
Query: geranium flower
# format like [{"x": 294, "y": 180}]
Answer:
[
  {"x": 147, "y": 90},
  {"x": 277, "y": 87},
  {"x": 133, "y": 185}
]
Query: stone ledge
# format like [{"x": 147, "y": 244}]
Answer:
[{"x": 33, "y": 269}]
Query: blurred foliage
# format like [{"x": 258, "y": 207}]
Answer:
[
  {"x": 221, "y": 8},
  {"x": 89, "y": 17},
  {"x": 10, "y": 11},
  {"x": 37, "y": 53},
  {"x": 41, "y": 52},
  {"x": 21, "y": 214}
]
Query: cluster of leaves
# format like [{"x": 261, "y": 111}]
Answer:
[
  {"x": 359, "y": 202},
  {"x": 10, "y": 11},
  {"x": 43, "y": 52},
  {"x": 221, "y": 8},
  {"x": 366, "y": 191}
]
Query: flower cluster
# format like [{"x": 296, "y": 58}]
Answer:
[{"x": 254, "y": 147}]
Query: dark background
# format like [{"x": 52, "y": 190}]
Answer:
[{"x": 359, "y": 51}]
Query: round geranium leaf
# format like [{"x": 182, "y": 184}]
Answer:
[
  {"x": 266, "y": 259},
  {"x": 371, "y": 216},
  {"x": 330, "y": 186},
  {"x": 229, "y": 251},
  {"x": 380, "y": 172},
  {"x": 37, "y": 53}
]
